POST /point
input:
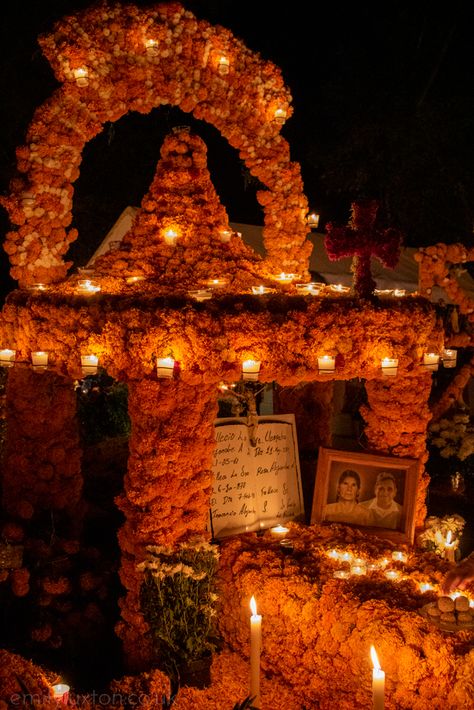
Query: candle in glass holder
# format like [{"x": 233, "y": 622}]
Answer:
[
  {"x": 225, "y": 235},
  {"x": 341, "y": 574},
  {"x": 255, "y": 651},
  {"x": 260, "y": 290},
  {"x": 399, "y": 556},
  {"x": 430, "y": 361},
  {"x": 358, "y": 568},
  {"x": 339, "y": 288},
  {"x": 326, "y": 364},
  {"x": 89, "y": 364},
  {"x": 449, "y": 358},
  {"x": 250, "y": 370},
  {"x": 333, "y": 554},
  {"x": 223, "y": 65},
  {"x": 279, "y": 116},
  {"x": 392, "y": 574},
  {"x": 151, "y": 47},
  {"x": 39, "y": 359},
  {"x": 378, "y": 682},
  {"x": 61, "y": 693},
  {"x": 87, "y": 287},
  {"x": 202, "y": 294},
  {"x": 81, "y": 76},
  {"x": 425, "y": 587},
  {"x": 346, "y": 556},
  {"x": 284, "y": 278},
  {"x": 310, "y": 289},
  {"x": 450, "y": 548},
  {"x": 279, "y": 531},
  {"x": 389, "y": 366},
  {"x": 170, "y": 237},
  {"x": 165, "y": 367},
  {"x": 312, "y": 220},
  {"x": 7, "y": 358}
]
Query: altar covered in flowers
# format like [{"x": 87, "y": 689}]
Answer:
[{"x": 179, "y": 308}]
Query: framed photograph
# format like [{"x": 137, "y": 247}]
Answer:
[{"x": 373, "y": 492}]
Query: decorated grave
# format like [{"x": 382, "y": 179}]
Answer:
[{"x": 179, "y": 307}]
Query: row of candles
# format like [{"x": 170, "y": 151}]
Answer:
[
  {"x": 165, "y": 366},
  {"x": 378, "y": 675}
]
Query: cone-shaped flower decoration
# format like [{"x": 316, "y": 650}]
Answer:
[{"x": 180, "y": 238}]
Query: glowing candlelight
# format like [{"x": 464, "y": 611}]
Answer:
[
  {"x": 284, "y": 278},
  {"x": 37, "y": 287},
  {"x": 378, "y": 682},
  {"x": 201, "y": 294},
  {"x": 279, "y": 531},
  {"x": 312, "y": 220},
  {"x": 165, "y": 367},
  {"x": 89, "y": 365},
  {"x": 399, "y": 292},
  {"x": 255, "y": 651},
  {"x": 430, "y": 361},
  {"x": 170, "y": 237},
  {"x": 39, "y": 359},
  {"x": 339, "y": 288},
  {"x": 151, "y": 47},
  {"x": 425, "y": 587},
  {"x": 358, "y": 569},
  {"x": 216, "y": 283},
  {"x": 392, "y": 574},
  {"x": 449, "y": 358},
  {"x": 326, "y": 364},
  {"x": 333, "y": 554},
  {"x": 225, "y": 235},
  {"x": 341, "y": 574},
  {"x": 61, "y": 693},
  {"x": 250, "y": 370},
  {"x": 389, "y": 366},
  {"x": 346, "y": 556},
  {"x": 223, "y": 65},
  {"x": 279, "y": 116},
  {"x": 81, "y": 75},
  {"x": 399, "y": 556},
  {"x": 310, "y": 289},
  {"x": 450, "y": 547},
  {"x": 87, "y": 287},
  {"x": 260, "y": 290},
  {"x": 134, "y": 279},
  {"x": 7, "y": 358}
]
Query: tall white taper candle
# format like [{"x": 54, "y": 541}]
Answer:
[{"x": 255, "y": 650}]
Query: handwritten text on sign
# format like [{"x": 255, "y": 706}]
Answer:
[{"x": 255, "y": 487}]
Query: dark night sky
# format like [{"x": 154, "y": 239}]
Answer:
[{"x": 383, "y": 99}]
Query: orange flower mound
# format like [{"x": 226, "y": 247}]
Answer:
[
  {"x": 182, "y": 206},
  {"x": 19, "y": 677},
  {"x": 109, "y": 44},
  {"x": 317, "y": 630}
]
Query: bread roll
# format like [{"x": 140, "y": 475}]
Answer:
[
  {"x": 449, "y": 617},
  {"x": 461, "y": 603},
  {"x": 445, "y": 604},
  {"x": 464, "y": 617}
]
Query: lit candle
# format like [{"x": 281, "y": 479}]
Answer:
[
  {"x": 250, "y": 370},
  {"x": 430, "y": 361},
  {"x": 225, "y": 235},
  {"x": 216, "y": 283},
  {"x": 450, "y": 548},
  {"x": 341, "y": 574},
  {"x": 449, "y": 358},
  {"x": 425, "y": 587},
  {"x": 39, "y": 360},
  {"x": 165, "y": 367},
  {"x": 260, "y": 290},
  {"x": 223, "y": 65},
  {"x": 170, "y": 237},
  {"x": 312, "y": 220},
  {"x": 61, "y": 693},
  {"x": 202, "y": 294},
  {"x": 284, "y": 278},
  {"x": 389, "y": 366},
  {"x": 358, "y": 569},
  {"x": 7, "y": 358},
  {"x": 392, "y": 574},
  {"x": 255, "y": 651},
  {"x": 326, "y": 364},
  {"x": 346, "y": 556},
  {"x": 279, "y": 116},
  {"x": 279, "y": 531},
  {"x": 81, "y": 76},
  {"x": 333, "y": 554},
  {"x": 151, "y": 47},
  {"x": 399, "y": 292},
  {"x": 87, "y": 287},
  {"x": 378, "y": 682},
  {"x": 399, "y": 556},
  {"x": 339, "y": 288},
  {"x": 312, "y": 289},
  {"x": 89, "y": 365},
  {"x": 134, "y": 279}
]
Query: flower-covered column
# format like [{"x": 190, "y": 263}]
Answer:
[
  {"x": 42, "y": 466},
  {"x": 167, "y": 486},
  {"x": 397, "y": 417}
]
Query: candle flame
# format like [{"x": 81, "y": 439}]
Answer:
[
  {"x": 449, "y": 537},
  {"x": 253, "y": 606},
  {"x": 375, "y": 659}
]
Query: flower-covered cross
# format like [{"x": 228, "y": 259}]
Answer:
[{"x": 362, "y": 240}]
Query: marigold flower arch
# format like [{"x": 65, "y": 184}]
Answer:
[{"x": 114, "y": 59}]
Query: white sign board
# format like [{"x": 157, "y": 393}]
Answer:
[{"x": 255, "y": 487}]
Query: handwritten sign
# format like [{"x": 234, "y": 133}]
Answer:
[{"x": 255, "y": 486}]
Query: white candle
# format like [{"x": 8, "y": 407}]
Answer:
[
  {"x": 430, "y": 361},
  {"x": 260, "y": 290},
  {"x": 89, "y": 364},
  {"x": 170, "y": 237},
  {"x": 358, "y": 569},
  {"x": 378, "y": 682},
  {"x": 225, "y": 235},
  {"x": 450, "y": 548},
  {"x": 312, "y": 220},
  {"x": 250, "y": 369},
  {"x": 279, "y": 116},
  {"x": 61, "y": 693},
  {"x": 389, "y": 366},
  {"x": 449, "y": 358},
  {"x": 255, "y": 651},
  {"x": 87, "y": 287},
  {"x": 333, "y": 554},
  {"x": 165, "y": 367},
  {"x": 223, "y": 65},
  {"x": 425, "y": 587},
  {"x": 81, "y": 76},
  {"x": 151, "y": 47},
  {"x": 399, "y": 556},
  {"x": 279, "y": 531},
  {"x": 7, "y": 358},
  {"x": 392, "y": 574},
  {"x": 326, "y": 364},
  {"x": 39, "y": 360}
]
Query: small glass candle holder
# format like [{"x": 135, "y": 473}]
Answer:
[
  {"x": 61, "y": 693},
  {"x": 216, "y": 283},
  {"x": 223, "y": 65},
  {"x": 358, "y": 569},
  {"x": 260, "y": 290},
  {"x": 251, "y": 370},
  {"x": 326, "y": 364},
  {"x": 339, "y": 288},
  {"x": 225, "y": 235},
  {"x": 86, "y": 287},
  {"x": 165, "y": 367},
  {"x": 310, "y": 289},
  {"x": 135, "y": 279},
  {"x": 341, "y": 574},
  {"x": 201, "y": 294},
  {"x": 89, "y": 365},
  {"x": 285, "y": 279},
  {"x": 392, "y": 574},
  {"x": 399, "y": 556},
  {"x": 287, "y": 546},
  {"x": 81, "y": 75},
  {"x": 389, "y": 366},
  {"x": 39, "y": 360},
  {"x": 346, "y": 556},
  {"x": 333, "y": 554},
  {"x": 170, "y": 237},
  {"x": 449, "y": 358},
  {"x": 425, "y": 587},
  {"x": 431, "y": 361},
  {"x": 151, "y": 46},
  {"x": 279, "y": 116},
  {"x": 312, "y": 220},
  {"x": 279, "y": 531},
  {"x": 7, "y": 358}
]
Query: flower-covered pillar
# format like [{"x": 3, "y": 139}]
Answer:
[
  {"x": 397, "y": 417},
  {"x": 167, "y": 486},
  {"x": 42, "y": 465}
]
